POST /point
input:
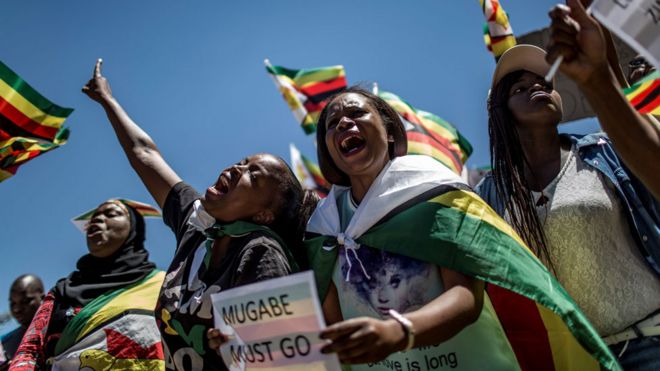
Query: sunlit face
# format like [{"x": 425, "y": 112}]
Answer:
[
  {"x": 356, "y": 136},
  {"x": 245, "y": 190},
  {"x": 24, "y": 300},
  {"x": 533, "y": 101},
  {"x": 108, "y": 229},
  {"x": 388, "y": 289}
]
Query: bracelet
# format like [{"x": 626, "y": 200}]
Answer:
[{"x": 407, "y": 327}]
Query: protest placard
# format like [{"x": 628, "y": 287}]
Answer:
[
  {"x": 273, "y": 325},
  {"x": 637, "y": 22}
]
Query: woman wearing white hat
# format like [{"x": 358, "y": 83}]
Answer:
[{"x": 574, "y": 199}]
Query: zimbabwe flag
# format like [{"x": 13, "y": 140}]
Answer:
[
  {"x": 430, "y": 135},
  {"x": 418, "y": 209},
  {"x": 115, "y": 331},
  {"x": 308, "y": 172},
  {"x": 30, "y": 124},
  {"x": 498, "y": 34},
  {"x": 306, "y": 90},
  {"x": 645, "y": 95}
]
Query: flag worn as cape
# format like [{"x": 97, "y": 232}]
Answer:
[
  {"x": 645, "y": 95},
  {"x": 306, "y": 90},
  {"x": 30, "y": 124},
  {"x": 417, "y": 208},
  {"x": 430, "y": 135},
  {"x": 117, "y": 330},
  {"x": 308, "y": 173},
  {"x": 498, "y": 34}
]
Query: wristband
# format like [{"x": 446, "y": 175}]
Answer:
[{"x": 407, "y": 327}]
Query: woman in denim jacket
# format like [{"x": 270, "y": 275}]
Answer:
[{"x": 570, "y": 197}]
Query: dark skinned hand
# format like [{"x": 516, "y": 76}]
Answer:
[
  {"x": 577, "y": 36},
  {"x": 216, "y": 338},
  {"x": 364, "y": 339},
  {"x": 98, "y": 88}
]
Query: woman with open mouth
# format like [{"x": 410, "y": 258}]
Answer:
[
  {"x": 587, "y": 211},
  {"x": 396, "y": 248},
  {"x": 104, "y": 310},
  {"x": 247, "y": 227},
  {"x": 388, "y": 296}
]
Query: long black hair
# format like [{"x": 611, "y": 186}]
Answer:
[{"x": 508, "y": 162}]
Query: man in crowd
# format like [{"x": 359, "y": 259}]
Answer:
[{"x": 25, "y": 296}]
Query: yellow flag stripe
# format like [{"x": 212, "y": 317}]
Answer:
[
  {"x": 27, "y": 108},
  {"x": 471, "y": 204},
  {"x": 567, "y": 353},
  {"x": 142, "y": 296},
  {"x": 428, "y": 150}
]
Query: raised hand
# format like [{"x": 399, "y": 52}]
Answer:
[
  {"x": 98, "y": 87},
  {"x": 577, "y": 36},
  {"x": 364, "y": 339}
]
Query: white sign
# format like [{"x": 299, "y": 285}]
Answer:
[
  {"x": 637, "y": 22},
  {"x": 273, "y": 324}
]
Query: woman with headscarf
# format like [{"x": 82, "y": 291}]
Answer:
[
  {"x": 575, "y": 199},
  {"x": 102, "y": 315}
]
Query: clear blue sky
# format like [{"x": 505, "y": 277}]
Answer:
[{"x": 191, "y": 74}]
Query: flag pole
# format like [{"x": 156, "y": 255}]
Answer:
[
  {"x": 374, "y": 88},
  {"x": 554, "y": 68}
]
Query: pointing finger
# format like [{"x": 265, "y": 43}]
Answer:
[{"x": 97, "y": 67}]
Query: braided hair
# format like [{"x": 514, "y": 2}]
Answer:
[{"x": 508, "y": 162}]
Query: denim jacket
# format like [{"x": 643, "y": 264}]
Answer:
[{"x": 642, "y": 208}]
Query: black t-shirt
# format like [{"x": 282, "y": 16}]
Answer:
[{"x": 184, "y": 311}]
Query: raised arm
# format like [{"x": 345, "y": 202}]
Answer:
[
  {"x": 140, "y": 149},
  {"x": 578, "y": 37}
]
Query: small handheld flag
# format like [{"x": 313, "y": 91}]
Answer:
[
  {"x": 430, "y": 135},
  {"x": 306, "y": 90},
  {"x": 498, "y": 34}
]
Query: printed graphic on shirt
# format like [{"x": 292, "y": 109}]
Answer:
[
  {"x": 393, "y": 282},
  {"x": 371, "y": 281},
  {"x": 185, "y": 311}
]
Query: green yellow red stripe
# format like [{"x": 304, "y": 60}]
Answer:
[{"x": 12, "y": 80}]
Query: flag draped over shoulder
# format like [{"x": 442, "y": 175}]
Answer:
[
  {"x": 498, "y": 34},
  {"x": 30, "y": 124},
  {"x": 419, "y": 209},
  {"x": 645, "y": 95},
  {"x": 308, "y": 172},
  {"x": 305, "y": 90},
  {"x": 117, "y": 330},
  {"x": 430, "y": 135}
]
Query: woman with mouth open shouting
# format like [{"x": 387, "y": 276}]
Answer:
[
  {"x": 366, "y": 283},
  {"x": 397, "y": 247},
  {"x": 247, "y": 227},
  {"x": 583, "y": 203},
  {"x": 111, "y": 293}
]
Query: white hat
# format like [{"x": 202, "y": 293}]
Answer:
[{"x": 521, "y": 57}]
